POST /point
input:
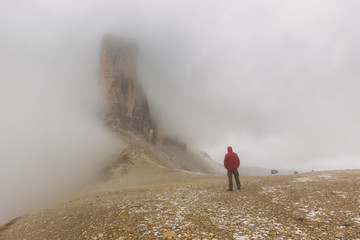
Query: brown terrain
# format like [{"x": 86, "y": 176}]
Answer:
[
  {"x": 158, "y": 187},
  {"x": 141, "y": 199}
]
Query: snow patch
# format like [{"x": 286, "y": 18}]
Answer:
[
  {"x": 305, "y": 179},
  {"x": 238, "y": 237}
]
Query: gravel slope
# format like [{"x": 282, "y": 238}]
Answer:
[{"x": 321, "y": 205}]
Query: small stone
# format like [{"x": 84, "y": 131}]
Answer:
[
  {"x": 169, "y": 235},
  {"x": 340, "y": 235}
]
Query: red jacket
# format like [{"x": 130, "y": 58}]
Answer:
[{"x": 231, "y": 160}]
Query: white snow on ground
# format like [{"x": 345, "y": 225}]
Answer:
[
  {"x": 305, "y": 179},
  {"x": 268, "y": 190},
  {"x": 238, "y": 237},
  {"x": 258, "y": 231},
  {"x": 171, "y": 212},
  {"x": 325, "y": 176},
  {"x": 315, "y": 215},
  {"x": 340, "y": 194},
  {"x": 314, "y": 178},
  {"x": 174, "y": 212},
  {"x": 271, "y": 189},
  {"x": 312, "y": 214}
]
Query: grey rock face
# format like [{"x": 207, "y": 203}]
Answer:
[{"x": 129, "y": 107}]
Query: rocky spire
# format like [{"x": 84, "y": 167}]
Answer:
[{"x": 129, "y": 107}]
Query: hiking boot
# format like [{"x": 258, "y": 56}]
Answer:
[{"x": 229, "y": 189}]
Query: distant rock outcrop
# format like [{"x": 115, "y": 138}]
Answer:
[{"x": 129, "y": 107}]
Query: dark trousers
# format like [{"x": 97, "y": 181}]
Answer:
[{"x": 236, "y": 175}]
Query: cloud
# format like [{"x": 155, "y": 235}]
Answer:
[{"x": 276, "y": 82}]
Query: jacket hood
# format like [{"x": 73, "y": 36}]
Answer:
[{"x": 230, "y": 149}]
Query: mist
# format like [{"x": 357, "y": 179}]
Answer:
[
  {"x": 277, "y": 81},
  {"x": 53, "y": 140}
]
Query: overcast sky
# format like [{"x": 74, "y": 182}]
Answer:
[{"x": 276, "y": 80}]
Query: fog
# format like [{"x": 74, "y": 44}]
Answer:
[{"x": 277, "y": 81}]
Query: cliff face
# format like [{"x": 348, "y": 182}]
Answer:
[{"x": 129, "y": 107}]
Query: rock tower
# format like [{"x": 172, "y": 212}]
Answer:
[{"x": 128, "y": 104}]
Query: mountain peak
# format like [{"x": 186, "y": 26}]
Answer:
[{"x": 128, "y": 104}]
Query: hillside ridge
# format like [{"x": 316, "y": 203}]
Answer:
[{"x": 320, "y": 205}]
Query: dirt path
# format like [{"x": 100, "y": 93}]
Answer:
[{"x": 321, "y": 205}]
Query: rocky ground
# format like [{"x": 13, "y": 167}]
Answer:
[{"x": 321, "y": 205}]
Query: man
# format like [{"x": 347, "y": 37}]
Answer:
[{"x": 231, "y": 163}]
